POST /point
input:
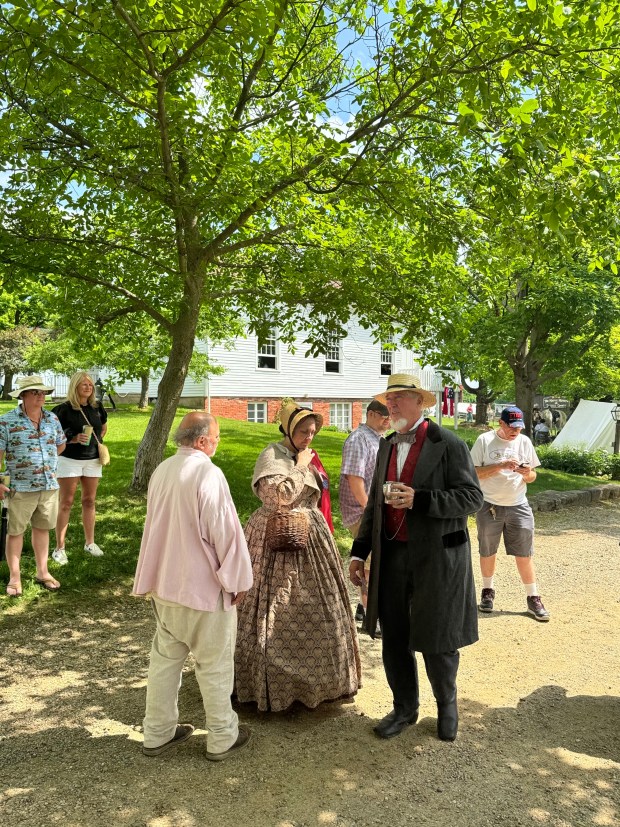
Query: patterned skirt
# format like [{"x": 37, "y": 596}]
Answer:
[{"x": 296, "y": 636}]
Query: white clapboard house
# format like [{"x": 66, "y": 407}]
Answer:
[{"x": 258, "y": 374}]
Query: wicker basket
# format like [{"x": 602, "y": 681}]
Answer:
[{"x": 287, "y": 531}]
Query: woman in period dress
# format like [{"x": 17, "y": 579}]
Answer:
[{"x": 296, "y": 636}]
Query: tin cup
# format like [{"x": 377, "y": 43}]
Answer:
[{"x": 388, "y": 491}]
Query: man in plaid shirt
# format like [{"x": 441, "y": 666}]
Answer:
[{"x": 359, "y": 454}]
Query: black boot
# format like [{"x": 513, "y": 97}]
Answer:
[
  {"x": 441, "y": 670},
  {"x": 394, "y": 723},
  {"x": 447, "y": 720}
]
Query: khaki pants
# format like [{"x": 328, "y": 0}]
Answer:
[
  {"x": 211, "y": 638},
  {"x": 355, "y": 528}
]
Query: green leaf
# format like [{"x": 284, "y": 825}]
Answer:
[
  {"x": 567, "y": 160},
  {"x": 553, "y": 220},
  {"x": 529, "y": 105}
]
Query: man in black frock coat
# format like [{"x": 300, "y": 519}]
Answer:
[{"x": 421, "y": 583}]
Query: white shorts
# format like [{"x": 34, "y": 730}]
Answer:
[{"x": 78, "y": 467}]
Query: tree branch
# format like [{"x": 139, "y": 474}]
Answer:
[
  {"x": 164, "y": 137},
  {"x": 227, "y": 8},
  {"x": 136, "y": 302},
  {"x": 262, "y": 238},
  {"x": 83, "y": 70},
  {"x": 130, "y": 23}
]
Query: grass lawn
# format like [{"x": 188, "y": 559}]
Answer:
[{"x": 121, "y": 515}]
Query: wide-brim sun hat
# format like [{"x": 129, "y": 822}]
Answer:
[
  {"x": 407, "y": 382},
  {"x": 293, "y": 413},
  {"x": 30, "y": 383}
]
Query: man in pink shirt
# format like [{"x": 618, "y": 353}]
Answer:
[{"x": 194, "y": 564}]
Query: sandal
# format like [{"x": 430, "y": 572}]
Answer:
[
  {"x": 16, "y": 590},
  {"x": 48, "y": 583}
]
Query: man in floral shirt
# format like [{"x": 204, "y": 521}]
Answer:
[{"x": 31, "y": 438}]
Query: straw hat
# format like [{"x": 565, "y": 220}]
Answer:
[
  {"x": 30, "y": 383},
  {"x": 292, "y": 414},
  {"x": 407, "y": 382}
]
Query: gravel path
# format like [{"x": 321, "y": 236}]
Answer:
[{"x": 539, "y": 742}]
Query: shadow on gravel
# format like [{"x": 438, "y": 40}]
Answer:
[
  {"x": 73, "y": 697},
  {"x": 562, "y": 523}
]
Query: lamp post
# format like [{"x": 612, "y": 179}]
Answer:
[{"x": 615, "y": 415}]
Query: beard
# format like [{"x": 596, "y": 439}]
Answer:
[{"x": 398, "y": 424}]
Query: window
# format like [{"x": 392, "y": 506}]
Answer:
[
  {"x": 340, "y": 415},
  {"x": 332, "y": 356},
  {"x": 387, "y": 357},
  {"x": 267, "y": 352},
  {"x": 257, "y": 412}
]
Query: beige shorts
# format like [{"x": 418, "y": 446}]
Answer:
[{"x": 39, "y": 508}]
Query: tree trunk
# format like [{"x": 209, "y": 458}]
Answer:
[
  {"x": 8, "y": 383},
  {"x": 482, "y": 416},
  {"x": 144, "y": 390},
  {"x": 484, "y": 396},
  {"x": 151, "y": 449},
  {"x": 525, "y": 389}
]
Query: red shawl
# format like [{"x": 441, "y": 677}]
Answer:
[{"x": 325, "y": 501}]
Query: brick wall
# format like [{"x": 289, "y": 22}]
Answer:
[
  {"x": 356, "y": 414},
  {"x": 321, "y": 406},
  {"x": 230, "y": 408},
  {"x": 237, "y": 408}
]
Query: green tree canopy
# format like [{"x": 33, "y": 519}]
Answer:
[
  {"x": 538, "y": 320},
  {"x": 596, "y": 376},
  {"x": 287, "y": 160}
]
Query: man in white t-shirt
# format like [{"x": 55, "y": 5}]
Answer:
[{"x": 505, "y": 460}]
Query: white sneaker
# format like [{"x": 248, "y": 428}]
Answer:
[
  {"x": 93, "y": 548},
  {"x": 60, "y": 557}
]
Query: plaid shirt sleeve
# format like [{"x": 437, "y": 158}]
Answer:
[{"x": 354, "y": 456}]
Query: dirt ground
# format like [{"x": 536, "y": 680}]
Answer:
[{"x": 539, "y": 741}]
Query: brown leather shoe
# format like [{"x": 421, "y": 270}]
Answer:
[
  {"x": 242, "y": 740},
  {"x": 182, "y": 733}
]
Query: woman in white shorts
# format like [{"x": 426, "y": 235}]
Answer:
[{"x": 79, "y": 416}]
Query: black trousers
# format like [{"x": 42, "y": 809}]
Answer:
[{"x": 399, "y": 662}]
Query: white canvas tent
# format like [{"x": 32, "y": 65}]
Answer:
[{"x": 589, "y": 428}]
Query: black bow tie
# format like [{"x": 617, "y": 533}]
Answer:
[{"x": 409, "y": 437}]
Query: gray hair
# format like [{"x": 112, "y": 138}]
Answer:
[{"x": 198, "y": 424}]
